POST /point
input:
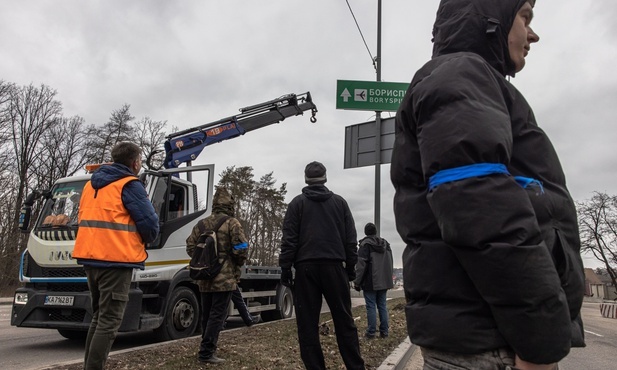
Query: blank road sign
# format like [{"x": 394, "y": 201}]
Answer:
[{"x": 360, "y": 143}]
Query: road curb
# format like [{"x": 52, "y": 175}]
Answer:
[
  {"x": 6, "y": 300},
  {"x": 398, "y": 359}
]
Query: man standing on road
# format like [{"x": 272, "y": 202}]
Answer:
[
  {"x": 319, "y": 240},
  {"x": 216, "y": 293},
  {"x": 374, "y": 276},
  {"x": 116, "y": 219},
  {"x": 492, "y": 271}
]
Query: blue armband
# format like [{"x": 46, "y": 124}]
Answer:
[
  {"x": 478, "y": 170},
  {"x": 240, "y": 246}
]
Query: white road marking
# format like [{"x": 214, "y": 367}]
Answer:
[{"x": 590, "y": 332}]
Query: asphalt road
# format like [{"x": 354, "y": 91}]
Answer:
[
  {"x": 30, "y": 349},
  {"x": 601, "y": 338}
]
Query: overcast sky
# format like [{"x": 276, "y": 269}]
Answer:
[{"x": 192, "y": 62}]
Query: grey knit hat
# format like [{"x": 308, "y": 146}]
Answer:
[{"x": 315, "y": 173}]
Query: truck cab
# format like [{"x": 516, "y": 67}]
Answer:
[{"x": 162, "y": 297}]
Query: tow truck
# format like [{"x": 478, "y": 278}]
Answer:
[{"x": 162, "y": 298}]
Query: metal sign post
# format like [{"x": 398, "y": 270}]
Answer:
[
  {"x": 377, "y": 217},
  {"x": 377, "y": 96}
]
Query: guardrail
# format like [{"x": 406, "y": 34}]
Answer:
[{"x": 609, "y": 310}]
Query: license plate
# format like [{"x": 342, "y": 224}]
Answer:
[{"x": 59, "y": 300}]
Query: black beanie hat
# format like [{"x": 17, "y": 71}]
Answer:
[
  {"x": 370, "y": 229},
  {"x": 315, "y": 173}
]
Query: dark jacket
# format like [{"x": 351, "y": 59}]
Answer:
[
  {"x": 318, "y": 225},
  {"x": 135, "y": 200},
  {"x": 231, "y": 242},
  {"x": 488, "y": 263},
  {"x": 375, "y": 265}
]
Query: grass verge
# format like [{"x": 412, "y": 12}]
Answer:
[{"x": 270, "y": 346}]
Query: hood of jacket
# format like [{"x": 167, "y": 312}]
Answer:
[
  {"x": 223, "y": 202},
  {"x": 377, "y": 244},
  {"x": 107, "y": 174},
  {"x": 477, "y": 26},
  {"x": 317, "y": 193}
]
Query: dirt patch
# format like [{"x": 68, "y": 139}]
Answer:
[{"x": 270, "y": 346}]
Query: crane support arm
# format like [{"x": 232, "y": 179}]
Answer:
[{"x": 185, "y": 146}]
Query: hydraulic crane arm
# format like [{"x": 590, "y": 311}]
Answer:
[{"x": 185, "y": 146}]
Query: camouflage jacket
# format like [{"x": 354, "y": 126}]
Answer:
[{"x": 230, "y": 234}]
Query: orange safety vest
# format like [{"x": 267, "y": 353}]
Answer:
[{"x": 106, "y": 230}]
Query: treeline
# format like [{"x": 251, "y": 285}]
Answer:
[
  {"x": 260, "y": 207},
  {"x": 39, "y": 145}
]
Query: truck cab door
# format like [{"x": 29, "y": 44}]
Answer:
[{"x": 181, "y": 197}]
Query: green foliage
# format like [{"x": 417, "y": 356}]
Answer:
[{"x": 260, "y": 207}]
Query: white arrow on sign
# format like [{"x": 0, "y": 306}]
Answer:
[{"x": 345, "y": 95}]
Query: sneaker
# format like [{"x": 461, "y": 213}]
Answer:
[
  {"x": 369, "y": 336},
  {"x": 212, "y": 360},
  {"x": 383, "y": 335}
]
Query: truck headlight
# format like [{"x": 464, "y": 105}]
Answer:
[{"x": 21, "y": 298}]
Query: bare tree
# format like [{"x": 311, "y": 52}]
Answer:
[
  {"x": 7, "y": 91},
  {"x": 598, "y": 230},
  {"x": 30, "y": 112},
  {"x": 150, "y": 136},
  {"x": 64, "y": 151},
  {"x": 117, "y": 129}
]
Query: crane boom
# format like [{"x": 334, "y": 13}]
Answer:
[{"x": 185, "y": 146}]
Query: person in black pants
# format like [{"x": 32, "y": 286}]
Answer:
[
  {"x": 319, "y": 240},
  {"x": 236, "y": 298},
  {"x": 216, "y": 293}
]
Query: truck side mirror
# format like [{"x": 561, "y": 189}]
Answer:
[
  {"x": 24, "y": 218},
  {"x": 26, "y": 209}
]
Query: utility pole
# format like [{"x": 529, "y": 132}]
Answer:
[{"x": 378, "y": 128}]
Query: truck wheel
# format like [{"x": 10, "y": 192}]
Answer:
[
  {"x": 73, "y": 334},
  {"x": 284, "y": 305},
  {"x": 181, "y": 317}
]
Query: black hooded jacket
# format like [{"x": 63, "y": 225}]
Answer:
[
  {"x": 318, "y": 226},
  {"x": 375, "y": 265},
  {"x": 488, "y": 263}
]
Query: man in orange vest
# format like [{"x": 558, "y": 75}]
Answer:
[{"x": 116, "y": 219}]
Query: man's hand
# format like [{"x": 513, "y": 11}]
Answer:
[
  {"x": 351, "y": 273},
  {"x": 524, "y": 365},
  {"x": 357, "y": 287},
  {"x": 287, "y": 278}
]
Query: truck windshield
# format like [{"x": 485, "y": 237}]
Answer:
[{"x": 62, "y": 208}]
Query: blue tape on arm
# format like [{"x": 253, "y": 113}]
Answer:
[
  {"x": 465, "y": 172},
  {"x": 528, "y": 181},
  {"x": 241, "y": 246},
  {"x": 478, "y": 170}
]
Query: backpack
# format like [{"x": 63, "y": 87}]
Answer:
[{"x": 205, "y": 263}]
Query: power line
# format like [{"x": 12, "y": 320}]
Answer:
[{"x": 357, "y": 25}]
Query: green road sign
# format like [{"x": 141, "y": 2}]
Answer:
[{"x": 370, "y": 95}]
